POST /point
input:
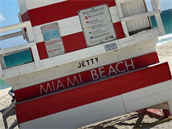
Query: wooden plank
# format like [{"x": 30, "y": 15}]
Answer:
[
  {"x": 11, "y": 35},
  {"x": 17, "y": 48},
  {"x": 137, "y": 16},
  {"x": 14, "y": 27}
]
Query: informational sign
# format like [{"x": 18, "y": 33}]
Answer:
[
  {"x": 52, "y": 38},
  {"x": 97, "y": 25},
  {"x": 112, "y": 46}
]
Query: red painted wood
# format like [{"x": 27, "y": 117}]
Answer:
[
  {"x": 25, "y": 16},
  {"x": 63, "y": 10},
  {"x": 42, "y": 50},
  {"x": 67, "y": 105},
  {"x": 141, "y": 61},
  {"x": 99, "y": 87},
  {"x": 119, "y": 30},
  {"x": 91, "y": 93},
  {"x": 74, "y": 42}
]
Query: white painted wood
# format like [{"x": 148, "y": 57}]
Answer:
[
  {"x": 170, "y": 106},
  {"x": 26, "y": 25},
  {"x": 125, "y": 29},
  {"x": 1, "y": 71},
  {"x": 15, "y": 26},
  {"x": 85, "y": 114},
  {"x": 22, "y": 6},
  {"x": 113, "y": 10},
  {"x": 121, "y": 15},
  {"x": 71, "y": 30},
  {"x": 139, "y": 37},
  {"x": 137, "y": 16},
  {"x": 89, "y": 118},
  {"x": 36, "y": 56},
  {"x": 120, "y": 11},
  {"x": 61, "y": 23},
  {"x": 17, "y": 48},
  {"x": 154, "y": 5},
  {"x": 4, "y": 37},
  {"x": 30, "y": 34},
  {"x": 124, "y": 1},
  {"x": 144, "y": 92},
  {"x": 160, "y": 25},
  {"x": 148, "y": 96},
  {"x": 115, "y": 18},
  {"x": 158, "y": 4},
  {"x": 24, "y": 34}
]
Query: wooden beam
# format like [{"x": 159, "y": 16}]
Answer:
[
  {"x": 14, "y": 27},
  {"x": 140, "y": 15},
  {"x": 17, "y": 48},
  {"x": 11, "y": 35},
  {"x": 123, "y": 1}
]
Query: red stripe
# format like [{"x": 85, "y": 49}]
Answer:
[
  {"x": 119, "y": 30},
  {"x": 25, "y": 16},
  {"x": 42, "y": 50},
  {"x": 74, "y": 42},
  {"x": 25, "y": 93},
  {"x": 91, "y": 93},
  {"x": 61, "y": 10}
]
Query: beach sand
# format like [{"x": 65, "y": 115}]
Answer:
[{"x": 127, "y": 121}]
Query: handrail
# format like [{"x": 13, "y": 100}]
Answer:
[
  {"x": 4, "y": 37},
  {"x": 26, "y": 25},
  {"x": 15, "y": 26},
  {"x": 17, "y": 48},
  {"x": 156, "y": 12}
]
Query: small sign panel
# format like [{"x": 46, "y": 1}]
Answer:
[
  {"x": 52, "y": 38},
  {"x": 97, "y": 25},
  {"x": 111, "y": 46}
]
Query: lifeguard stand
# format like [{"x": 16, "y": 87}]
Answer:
[{"x": 92, "y": 60}]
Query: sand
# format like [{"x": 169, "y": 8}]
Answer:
[{"x": 127, "y": 121}]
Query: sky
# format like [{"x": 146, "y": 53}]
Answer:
[{"x": 9, "y": 10}]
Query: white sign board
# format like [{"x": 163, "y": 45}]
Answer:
[
  {"x": 97, "y": 25},
  {"x": 52, "y": 38}
]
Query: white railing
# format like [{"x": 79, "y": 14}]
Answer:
[
  {"x": 156, "y": 12},
  {"x": 31, "y": 43}
]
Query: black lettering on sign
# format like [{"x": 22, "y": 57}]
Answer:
[{"x": 88, "y": 62}]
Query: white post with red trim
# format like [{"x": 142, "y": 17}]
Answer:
[{"x": 170, "y": 106}]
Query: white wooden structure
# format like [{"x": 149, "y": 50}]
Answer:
[{"x": 86, "y": 84}]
